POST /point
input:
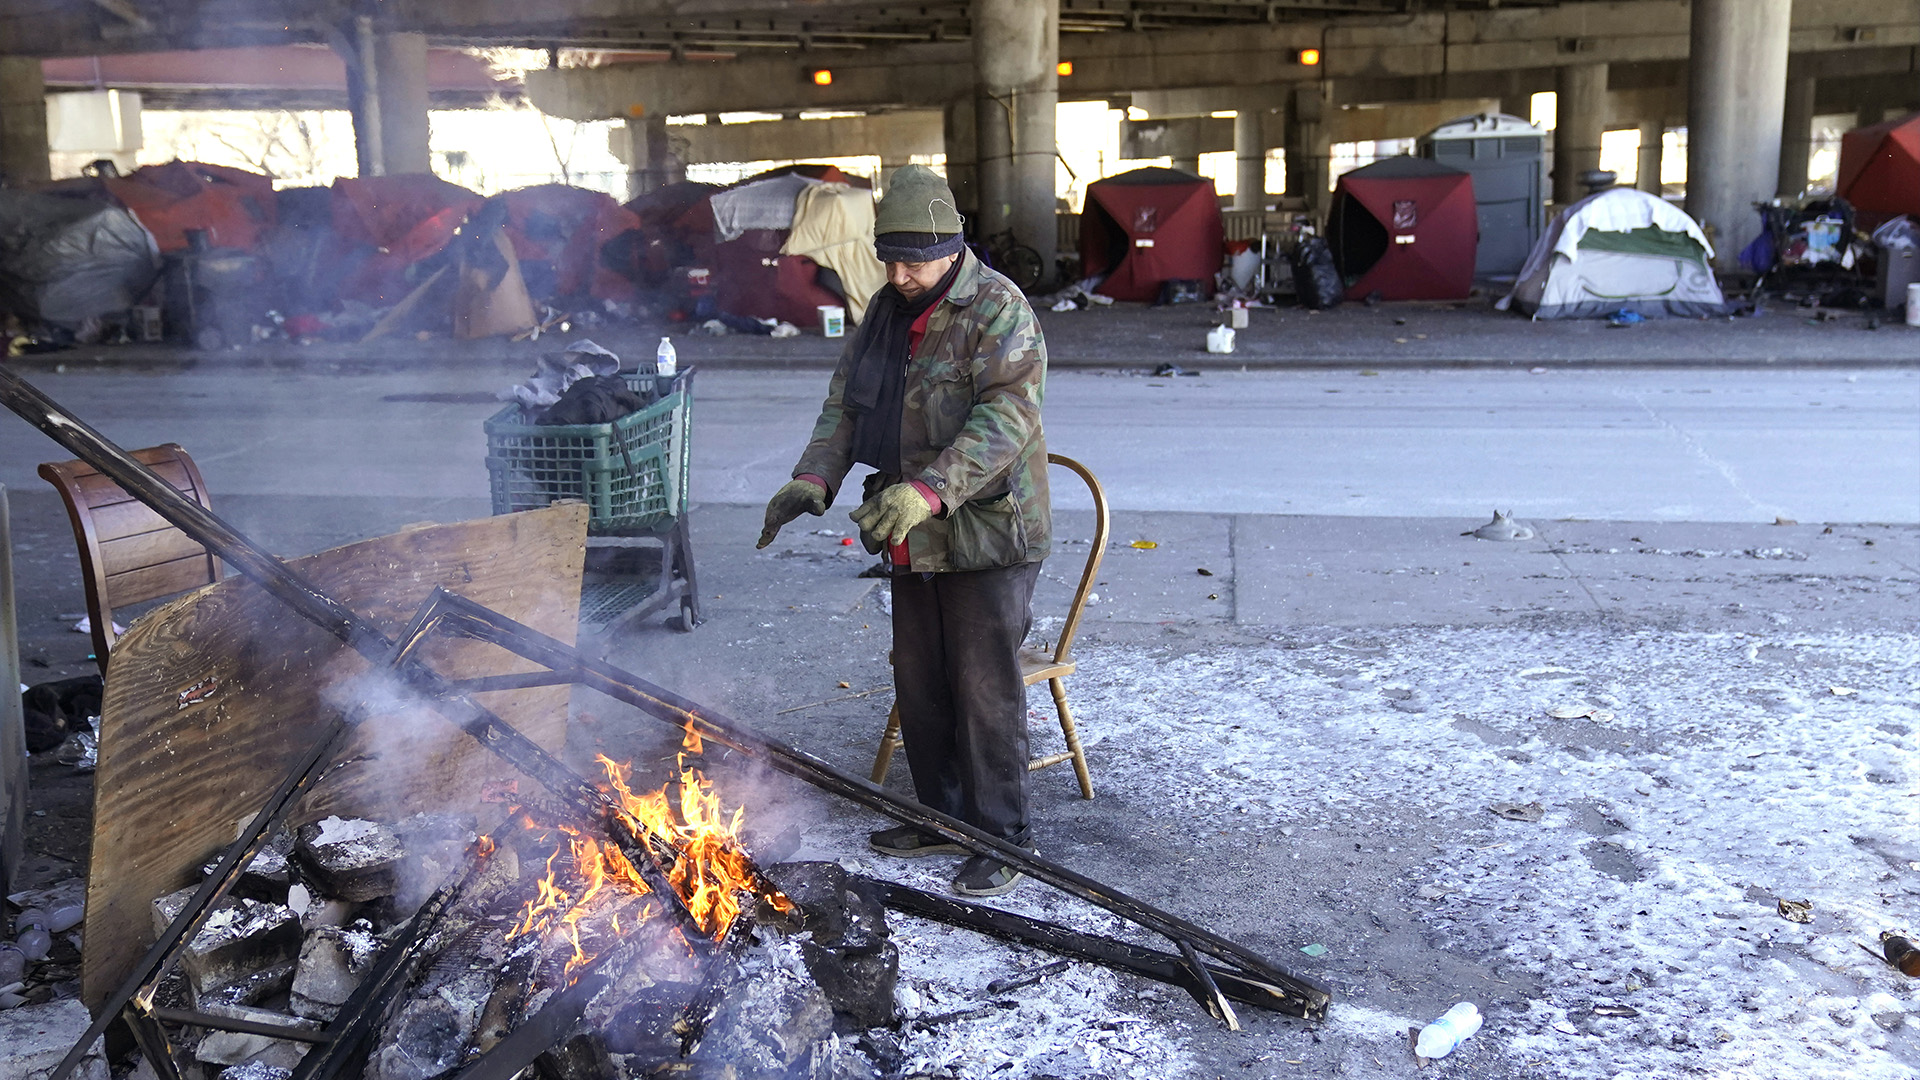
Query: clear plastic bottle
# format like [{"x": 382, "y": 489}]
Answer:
[
  {"x": 1438, "y": 1039},
  {"x": 666, "y": 362},
  {"x": 35, "y": 943}
]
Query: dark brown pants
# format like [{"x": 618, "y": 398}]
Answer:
[{"x": 963, "y": 705}]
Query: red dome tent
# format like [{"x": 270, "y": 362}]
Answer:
[
  {"x": 1880, "y": 169},
  {"x": 1148, "y": 226},
  {"x": 1407, "y": 228}
]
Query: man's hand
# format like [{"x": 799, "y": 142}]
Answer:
[
  {"x": 889, "y": 516},
  {"x": 788, "y": 502}
]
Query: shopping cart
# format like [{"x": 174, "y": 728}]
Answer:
[{"x": 632, "y": 474}]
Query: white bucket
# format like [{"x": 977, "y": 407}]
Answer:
[
  {"x": 833, "y": 320},
  {"x": 1913, "y": 304}
]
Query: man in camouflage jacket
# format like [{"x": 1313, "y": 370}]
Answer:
[{"x": 940, "y": 391}]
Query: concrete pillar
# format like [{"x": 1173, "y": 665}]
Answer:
[
  {"x": 1187, "y": 163},
  {"x": 402, "y": 63},
  {"x": 651, "y": 163},
  {"x": 23, "y": 122},
  {"x": 1736, "y": 96},
  {"x": 1016, "y": 45},
  {"x": 1868, "y": 115},
  {"x": 1653, "y": 139},
  {"x": 1580, "y": 111},
  {"x": 962, "y": 148},
  {"x": 1309, "y": 147},
  {"x": 1249, "y": 161},
  {"x": 1796, "y": 138}
]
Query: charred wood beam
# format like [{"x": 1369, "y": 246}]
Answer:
[
  {"x": 1107, "y": 952},
  {"x": 539, "y": 1033},
  {"x": 312, "y": 603},
  {"x": 524, "y": 681},
  {"x": 477, "y": 621},
  {"x": 692, "y": 1021},
  {"x": 1206, "y": 990}
]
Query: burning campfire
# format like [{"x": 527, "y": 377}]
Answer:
[{"x": 598, "y": 934}]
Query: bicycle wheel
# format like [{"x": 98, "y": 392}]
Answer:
[{"x": 1022, "y": 266}]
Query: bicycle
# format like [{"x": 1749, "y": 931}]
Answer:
[{"x": 1020, "y": 263}]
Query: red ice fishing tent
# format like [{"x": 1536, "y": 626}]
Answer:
[
  {"x": 383, "y": 225},
  {"x": 1148, "y": 226},
  {"x": 572, "y": 242},
  {"x": 1880, "y": 169},
  {"x": 1406, "y": 228}
]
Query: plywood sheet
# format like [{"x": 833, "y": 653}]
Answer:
[{"x": 174, "y": 780}]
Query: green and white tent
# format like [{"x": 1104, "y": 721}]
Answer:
[{"x": 1618, "y": 250}]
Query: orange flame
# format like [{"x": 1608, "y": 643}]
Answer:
[{"x": 692, "y": 741}]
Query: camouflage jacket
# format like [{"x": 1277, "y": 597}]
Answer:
[{"x": 970, "y": 428}]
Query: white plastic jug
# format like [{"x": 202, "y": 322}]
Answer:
[
  {"x": 1220, "y": 339},
  {"x": 1913, "y": 304}
]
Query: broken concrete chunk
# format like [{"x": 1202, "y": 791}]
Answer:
[
  {"x": 351, "y": 858},
  {"x": 333, "y": 960},
  {"x": 241, "y": 947},
  {"x": 33, "y": 1039},
  {"x": 255, "y": 1070}
]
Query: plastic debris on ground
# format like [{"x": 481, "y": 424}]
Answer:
[
  {"x": 1502, "y": 527},
  {"x": 1625, "y": 317}
]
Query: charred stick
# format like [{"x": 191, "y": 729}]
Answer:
[
  {"x": 1206, "y": 991},
  {"x": 541, "y": 1032},
  {"x": 1061, "y": 941},
  {"x": 153, "y": 1043},
  {"x": 692, "y": 1022},
  {"x": 477, "y": 621},
  {"x": 190, "y": 1018},
  {"x": 1031, "y": 978}
]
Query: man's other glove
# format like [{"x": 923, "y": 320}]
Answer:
[
  {"x": 889, "y": 516},
  {"x": 787, "y": 504}
]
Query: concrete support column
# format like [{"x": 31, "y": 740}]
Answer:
[
  {"x": 1736, "y": 96},
  {"x": 962, "y": 148},
  {"x": 1016, "y": 45},
  {"x": 1187, "y": 163},
  {"x": 1309, "y": 147},
  {"x": 402, "y": 63},
  {"x": 1868, "y": 115},
  {"x": 23, "y": 122},
  {"x": 1249, "y": 161},
  {"x": 1796, "y": 138},
  {"x": 1580, "y": 110},
  {"x": 651, "y": 163},
  {"x": 1653, "y": 139}
]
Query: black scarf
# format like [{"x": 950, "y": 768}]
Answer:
[{"x": 876, "y": 392}]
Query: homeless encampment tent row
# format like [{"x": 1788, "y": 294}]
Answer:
[
  {"x": 1880, "y": 170},
  {"x": 1617, "y": 250},
  {"x": 416, "y": 253},
  {"x": 1404, "y": 228}
]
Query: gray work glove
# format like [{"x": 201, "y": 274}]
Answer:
[{"x": 787, "y": 504}]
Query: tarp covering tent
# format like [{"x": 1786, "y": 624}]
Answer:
[
  {"x": 65, "y": 260},
  {"x": 1880, "y": 170},
  {"x": 744, "y": 247},
  {"x": 1148, "y": 226},
  {"x": 234, "y": 207},
  {"x": 1618, "y": 250},
  {"x": 566, "y": 241},
  {"x": 833, "y": 226},
  {"x": 386, "y": 224},
  {"x": 1405, "y": 228}
]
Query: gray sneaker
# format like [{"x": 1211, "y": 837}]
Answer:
[
  {"x": 908, "y": 842},
  {"x": 986, "y": 875}
]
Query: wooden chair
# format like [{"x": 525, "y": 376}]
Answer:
[
  {"x": 1039, "y": 666},
  {"x": 128, "y": 553}
]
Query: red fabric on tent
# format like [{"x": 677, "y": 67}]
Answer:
[
  {"x": 752, "y": 278},
  {"x": 1430, "y": 224},
  {"x": 234, "y": 207},
  {"x": 1880, "y": 169},
  {"x": 568, "y": 227},
  {"x": 1149, "y": 226},
  {"x": 404, "y": 219}
]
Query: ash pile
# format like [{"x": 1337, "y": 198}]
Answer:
[{"x": 542, "y": 952}]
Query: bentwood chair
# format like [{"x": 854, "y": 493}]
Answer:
[
  {"x": 128, "y": 553},
  {"x": 1037, "y": 667}
]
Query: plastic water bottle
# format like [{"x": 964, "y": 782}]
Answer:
[
  {"x": 665, "y": 361},
  {"x": 1438, "y": 1039}
]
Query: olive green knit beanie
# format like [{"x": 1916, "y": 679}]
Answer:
[{"x": 916, "y": 220}]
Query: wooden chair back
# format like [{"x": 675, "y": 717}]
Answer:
[
  {"x": 128, "y": 553},
  {"x": 1097, "y": 551}
]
